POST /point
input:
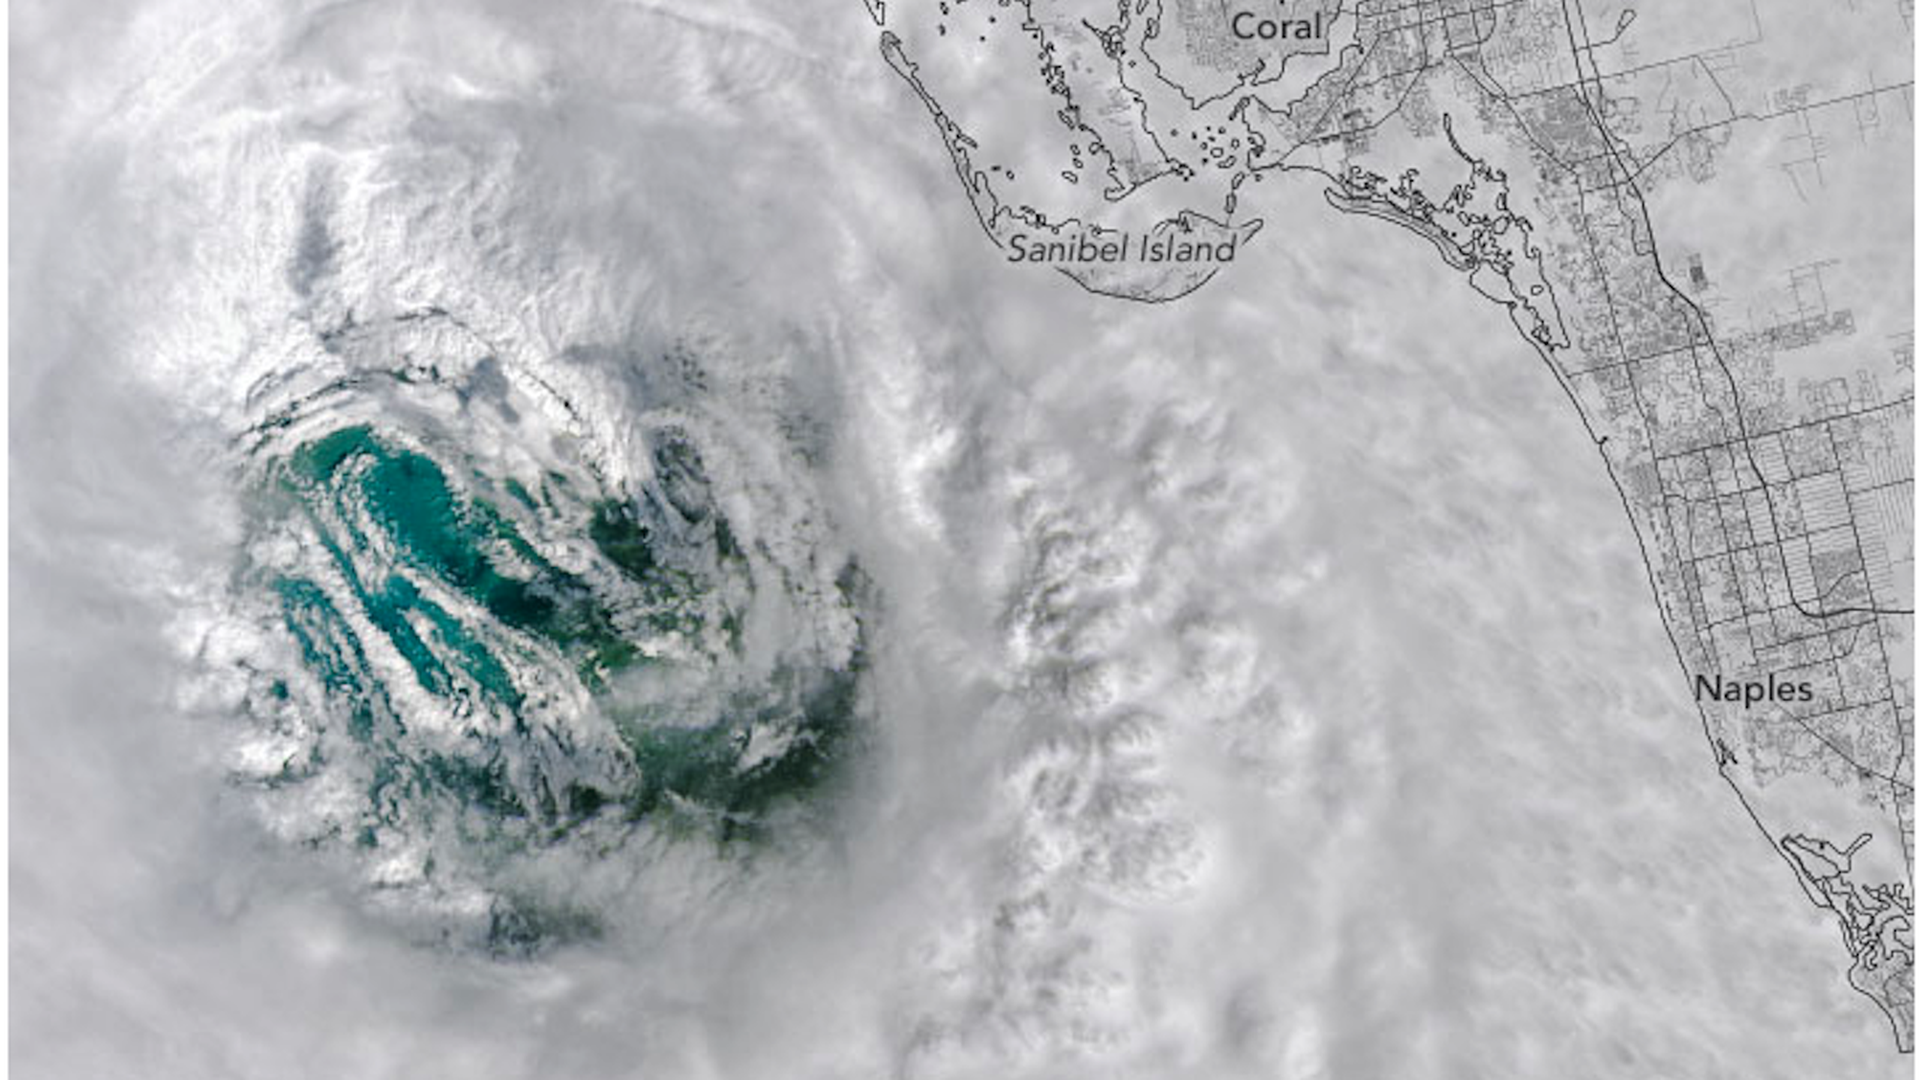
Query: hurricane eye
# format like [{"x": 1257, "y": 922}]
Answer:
[{"x": 477, "y": 664}]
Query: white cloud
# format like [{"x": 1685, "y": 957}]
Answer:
[{"x": 1228, "y": 720}]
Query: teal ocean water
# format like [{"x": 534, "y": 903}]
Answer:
[{"x": 471, "y": 661}]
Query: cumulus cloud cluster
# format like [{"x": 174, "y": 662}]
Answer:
[{"x": 1259, "y": 686}]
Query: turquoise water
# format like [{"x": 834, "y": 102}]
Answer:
[{"x": 502, "y": 663}]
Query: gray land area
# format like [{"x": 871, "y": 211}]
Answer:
[{"x": 1698, "y": 216}]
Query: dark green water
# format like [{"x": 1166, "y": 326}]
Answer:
[{"x": 507, "y": 663}]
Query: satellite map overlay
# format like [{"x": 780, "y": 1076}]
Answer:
[{"x": 961, "y": 539}]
